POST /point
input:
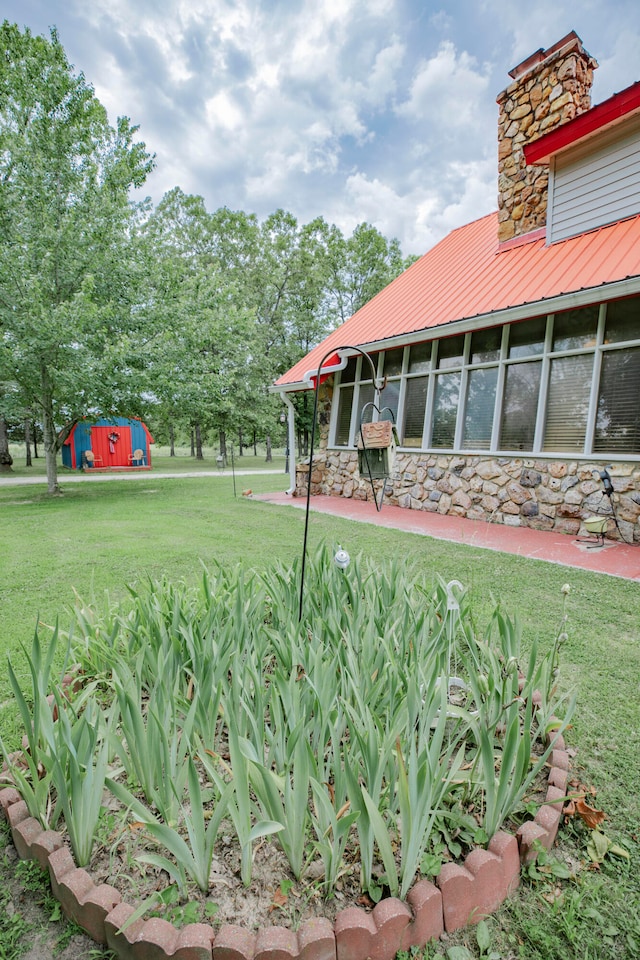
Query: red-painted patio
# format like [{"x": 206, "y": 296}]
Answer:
[{"x": 614, "y": 558}]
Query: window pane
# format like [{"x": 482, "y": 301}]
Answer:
[
  {"x": 414, "y": 411},
  {"x": 575, "y": 328},
  {"x": 568, "y": 404},
  {"x": 393, "y": 363},
  {"x": 389, "y": 400},
  {"x": 445, "y": 410},
  {"x": 479, "y": 408},
  {"x": 520, "y": 406},
  {"x": 345, "y": 402},
  {"x": 348, "y": 375},
  {"x": 450, "y": 352},
  {"x": 618, "y": 417},
  {"x": 623, "y": 321},
  {"x": 485, "y": 345},
  {"x": 365, "y": 404},
  {"x": 527, "y": 339},
  {"x": 419, "y": 357}
]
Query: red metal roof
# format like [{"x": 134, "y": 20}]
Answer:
[
  {"x": 618, "y": 107},
  {"x": 469, "y": 275}
]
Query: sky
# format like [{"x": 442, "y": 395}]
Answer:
[{"x": 377, "y": 111}]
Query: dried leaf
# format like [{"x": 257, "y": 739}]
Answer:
[
  {"x": 279, "y": 900},
  {"x": 366, "y": 901},
  {"x": 590, "y": 815}
]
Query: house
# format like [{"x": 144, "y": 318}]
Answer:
[
  {"x": 511, "y": 350},
  {"x": 108, "y": 443}
]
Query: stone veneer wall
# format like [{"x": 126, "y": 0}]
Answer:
[
  {"x": 549, "y": 88},
  {"x": 543, "y": 494}
]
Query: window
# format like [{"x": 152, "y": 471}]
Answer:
[
  {"x": 348, "y": 375},
  {"x": 527, "y": 339},
  {"x": 520, "y": 406},
  {"x": 575, "y": 328},
  {"x": 450, "y": 352},
  {"x": 485, "y": 345},
  {"x": 479, "y": 407},
  {"x": 415, "y": 406},
  {"x": 393, "y": 363},
  {"x": 343, "y": 421},
  {"x": 445, "y": 410},
  {"x": 568, "y": 403},
  {"x": 389, "y": 400},
  {"x": 623, "y": 321},
  {"x": 419, "y": 358},
  {"x": 618, "y": 416},
  {"x": 365, "y": 403},
  {"x": 566, "y": 384}
]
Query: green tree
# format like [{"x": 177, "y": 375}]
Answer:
[
  {"x": 66, "y": 224},
  {"x": 200, "y": 359},
  {"x": 361, "y": 266}
]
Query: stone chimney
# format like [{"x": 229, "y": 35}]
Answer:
[{"x": 549, "y": 88}]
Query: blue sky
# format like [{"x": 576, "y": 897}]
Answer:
[{"x": 355, "y": 110}]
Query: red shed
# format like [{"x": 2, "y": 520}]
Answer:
[{"x": 109, "y": 443}]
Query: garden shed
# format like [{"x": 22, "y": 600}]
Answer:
[{"x": 108, "y": 443}]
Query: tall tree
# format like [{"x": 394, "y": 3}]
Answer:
[
  {"x": 361, "y": 265},
  {"x": 65, "y": 227}
]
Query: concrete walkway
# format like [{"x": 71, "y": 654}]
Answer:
[
  {"x": 80, "y": 477},
  {"x": 614, "y": 558}
]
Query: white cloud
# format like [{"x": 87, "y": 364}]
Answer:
[
  {"x": 447, "y": 88},
  {"x": 419, "y": 216},
  {"x": 377, "y": 110}
]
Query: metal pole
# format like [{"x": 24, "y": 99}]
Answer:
[{"x": 378, "y": 385}]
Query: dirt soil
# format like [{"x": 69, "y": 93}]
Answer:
[{"x": 45, "y": 938}]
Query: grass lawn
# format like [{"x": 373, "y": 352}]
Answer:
[{"x": 98, "y": 537}]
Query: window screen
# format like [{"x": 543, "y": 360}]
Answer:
[
  {"x": 445, "y": 410},
  {"x": 568, "y": 403},
  {"x": 520, "y": 406},
  {"x": 479, "y": 408},
  {"x": 618, "y": 416},
  {"x": 343, "y": 424},
  {"x": 414, "y": 411}
]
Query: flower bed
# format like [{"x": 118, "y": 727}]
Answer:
[{"x": 380, "y": 739}]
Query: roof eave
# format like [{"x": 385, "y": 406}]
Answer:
[{"x": 523, "y": 311}]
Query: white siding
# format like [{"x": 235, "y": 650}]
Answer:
[{"x": 590, "y": 188}]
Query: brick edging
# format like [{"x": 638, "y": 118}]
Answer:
[{"x": 463, "y": 894}]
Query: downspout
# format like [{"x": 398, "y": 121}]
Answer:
[{"x": 291, "y": 435}]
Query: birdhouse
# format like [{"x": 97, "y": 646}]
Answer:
[{"x": 376, "y": 450}]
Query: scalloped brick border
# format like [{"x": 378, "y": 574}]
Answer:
[{"x": 463, "y": 894}]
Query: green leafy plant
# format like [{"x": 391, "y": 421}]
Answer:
[
  {"x": 194, "y": 858},
  {"x": 79, "y": 767}
]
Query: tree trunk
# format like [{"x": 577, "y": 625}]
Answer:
[
  {"x": 240, "y": 442},
  {"x": 172, "y": 441},
  {"x": 199, "y": 453},
  {"x": 193, "y": 443},
  {"x": 255, "y": 445},
  {"x": 269, "y": 455},
  {"x": 27, "y": 441},
  {"x": 35, "y": 441},
  {"x": 222, "y": 436},
  {"x": 49, "y": 433},
  {"x": 6, "y": 460}
]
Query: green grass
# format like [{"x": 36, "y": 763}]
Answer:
[{"x": 98, "y": 537}]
